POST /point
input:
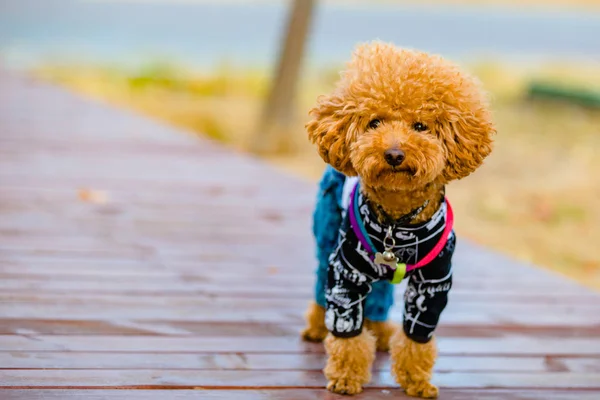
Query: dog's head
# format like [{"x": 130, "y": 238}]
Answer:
[{"x": 401, "y": 119}]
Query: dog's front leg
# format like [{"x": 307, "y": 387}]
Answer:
[
  {"x": 412, "y": 365},
  {"x": 349, "y": 362}
]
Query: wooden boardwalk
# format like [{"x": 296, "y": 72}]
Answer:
[{"x": 134, "y": 256}]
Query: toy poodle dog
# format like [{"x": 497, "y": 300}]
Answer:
[{"x": 399, "y": 126}]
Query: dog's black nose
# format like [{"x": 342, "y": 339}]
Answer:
[{"x": 394, "y": 157}]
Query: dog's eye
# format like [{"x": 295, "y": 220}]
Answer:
[
  {"x": 374, "y": 124},
  {"x": 419, "y": 127}
]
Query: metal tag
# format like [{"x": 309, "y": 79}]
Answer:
[{"x": 385, "y": 260}]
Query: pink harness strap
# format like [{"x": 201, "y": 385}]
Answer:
[{"x": 440, "y": 244}]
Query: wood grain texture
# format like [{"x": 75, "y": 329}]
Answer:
[
  {"x": 165, "y": 378},
  {"x": 292, "y": 394},
  {"x": 280, "y": 361},
  {"x": 509, "y": 345},
  {"x": 136, "y": 257}
]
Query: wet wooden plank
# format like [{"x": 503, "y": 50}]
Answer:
[
  {"x": 59, "y": 267},
  {"x": 510, "y": 345},
  {"x": 297, "y": 379},
  {"x": 272, "y": 273},
  {"x": 233, "y": 329},
  {"x": 494, "y": 314},
  {"x": 258, "y": 361},
  {"x": 26, "y": 304},
  {"x": 250, "y": 256},
  {"x": 181, "y": 285},
  {"x": 120, "y": 299},
  {"x": 295, "y": 394},
  {"x": 471, "y": 262},
  {"x": 236, "y": 273},
  {"x": 204, "y": 196}
]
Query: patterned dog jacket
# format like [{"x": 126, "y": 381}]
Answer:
[{"x": 351, "y": 273}]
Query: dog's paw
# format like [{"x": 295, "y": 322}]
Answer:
[
  {"x": 402, "y": 378},
  {"x": 422, "y": 389},
  {"x": 312, "y": 334},
  {"x": 344, "y": 386}
]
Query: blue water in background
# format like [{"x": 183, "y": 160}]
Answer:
[{"x": 207, "y": 34}]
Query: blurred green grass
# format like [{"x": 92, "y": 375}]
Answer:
[{"x": 536, "y": 198}]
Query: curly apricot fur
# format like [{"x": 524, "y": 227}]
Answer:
[
  {"x": 383, "y": 332},
  {"x": 349, "y": 363},
  {"x": 412, "y": 365},
  {"x": 401, "y": 87},
  {"x": 315, "y": 330}
]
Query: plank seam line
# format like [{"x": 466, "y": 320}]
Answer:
[
  {"x": 312, "y": 387},
  {"x": 300, "y": 352},
  {"x": 442, "y": 371}
]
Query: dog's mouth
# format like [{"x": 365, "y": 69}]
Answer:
[
  {"x": 400, "y": 173},
  {"x": 404, "y": 174},
  {"x": 403, "y": 170}
]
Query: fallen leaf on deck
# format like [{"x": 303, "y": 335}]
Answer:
[
  {"x": 93, "y": 196},
  {"x": 272, "y": 216}
]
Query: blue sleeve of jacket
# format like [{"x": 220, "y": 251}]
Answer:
[{"x": 327, "y": 219}]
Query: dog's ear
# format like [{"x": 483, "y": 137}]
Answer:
[
  {"x": 329, "y": 130},
  {"x": 468, "y": 141}
]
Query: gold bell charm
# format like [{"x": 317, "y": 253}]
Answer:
[{"x": 389, "y": 256}]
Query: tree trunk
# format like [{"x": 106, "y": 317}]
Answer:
[{"x": 278, "y": 113}]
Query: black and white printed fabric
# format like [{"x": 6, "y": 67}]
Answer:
[{"x": 351, "y": 273}]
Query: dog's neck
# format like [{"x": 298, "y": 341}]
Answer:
[{"x": 398, "y": 203}]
